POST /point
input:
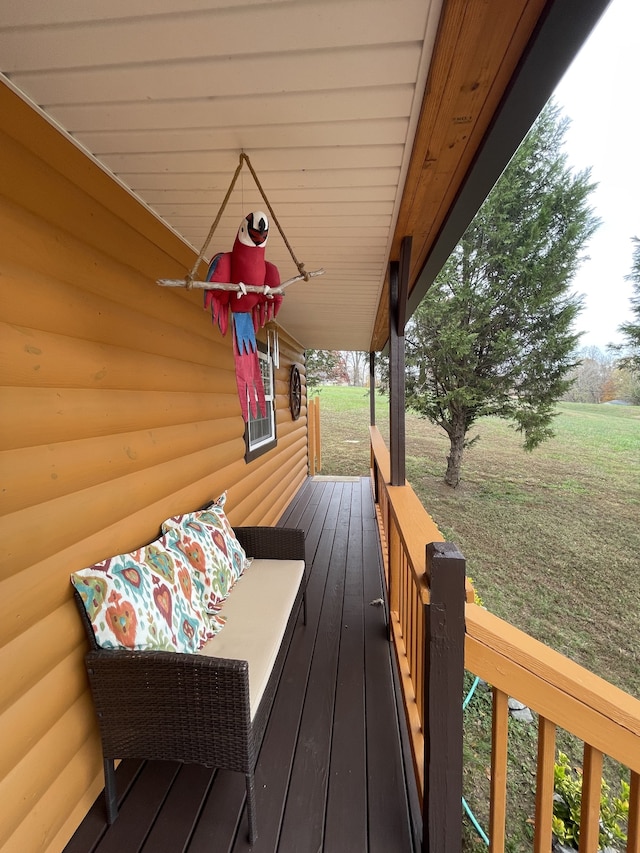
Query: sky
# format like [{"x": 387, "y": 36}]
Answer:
[{"x": 600, "y": 93}]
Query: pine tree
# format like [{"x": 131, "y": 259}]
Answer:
[
  {"x": 493, "y": 336},
  {"x": 631, "y": 330}
]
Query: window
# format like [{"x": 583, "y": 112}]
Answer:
[{"x": 260, "y": 432}]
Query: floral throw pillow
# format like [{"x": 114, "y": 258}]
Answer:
[
  {"x": 208, "y": 542},
  {"x": 147, "y": 599}
]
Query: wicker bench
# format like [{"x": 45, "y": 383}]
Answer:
[{"x": 209, "y": 708}]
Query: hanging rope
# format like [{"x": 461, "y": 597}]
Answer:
[
  {"x": 190, "y": 281},
  {"x": 214, "y": 225},
  {"x": 299, "y": 265}
]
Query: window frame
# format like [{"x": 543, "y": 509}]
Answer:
[{"x": 263, "y": 445}]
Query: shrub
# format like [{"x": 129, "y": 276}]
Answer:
[{"x": 614, "y": 810}]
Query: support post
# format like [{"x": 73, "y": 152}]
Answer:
[
  {"x": 398, "y": 294},
  {"x": 444, "y": 671},
  {"x": 372, "y": 388}
]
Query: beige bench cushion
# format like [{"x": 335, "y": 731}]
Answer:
[{"x": 256, "y": 613}]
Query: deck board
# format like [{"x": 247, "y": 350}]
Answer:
[
  {"x": 305, "y": 807},
  {"x": 331, "y": 774},
  {"x": 140, "y": 809},
  {"x": 346, "y": 819},
  {"x": 180, "y": 811}
]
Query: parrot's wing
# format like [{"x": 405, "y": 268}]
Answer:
[
  {"x": 272, "y": 275},
  {"x": 217, "y": 301},
  {"x": 220, "y": 267}
]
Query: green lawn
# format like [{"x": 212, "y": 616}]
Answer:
[{"x": 551, "y": 538}]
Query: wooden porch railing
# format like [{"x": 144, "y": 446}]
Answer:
[
  {"x": 567, "y": 696},
  {"x": 426, "y": 626},
  {"x": 564, "y": 694}
]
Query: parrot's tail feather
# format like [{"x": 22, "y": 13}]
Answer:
[
  {"x": 248, "y": 374},
  {"x": 244, "y": 333},
  {"x": 250, "y": 387}
]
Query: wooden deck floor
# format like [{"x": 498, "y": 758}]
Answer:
[{"x": 330, "y": 776}]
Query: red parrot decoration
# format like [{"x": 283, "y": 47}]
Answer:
[{"x": 245, "y": 264}]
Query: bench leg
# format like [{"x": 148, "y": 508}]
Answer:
[
  {"x": 110, "y": 794},
  {"x": 251, "y": 809}
]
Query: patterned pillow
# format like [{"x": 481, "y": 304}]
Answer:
[
  {"x": 146, "y": 600},
  {"x": 208, "y": 542}
]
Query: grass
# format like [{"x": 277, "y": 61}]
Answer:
[{"x": 551, "y": 539}]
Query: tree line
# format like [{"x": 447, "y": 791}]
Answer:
[
  {"x": 337, "y": 367},
  {"x": 599, "y": 377}
]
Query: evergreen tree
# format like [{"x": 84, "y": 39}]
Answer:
[
  {"x": 493, "y": 336},
  {"x": 631, "y": 330}
]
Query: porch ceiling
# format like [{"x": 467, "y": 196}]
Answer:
[{"x": 362, "y": 119}]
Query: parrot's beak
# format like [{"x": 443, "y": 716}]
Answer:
[
  {"x": 258, "y": 237},
  {"x": 258, "y": 227}
]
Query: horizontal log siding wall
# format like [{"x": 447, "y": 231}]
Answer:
[{"x": 119, "y": 408}]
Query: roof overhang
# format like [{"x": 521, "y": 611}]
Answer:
[
  {"x": 366, "y": 121},
  {"x": 559, "y": 33}
]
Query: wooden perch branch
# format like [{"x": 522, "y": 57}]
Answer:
[{"x": 247, "y": 288}]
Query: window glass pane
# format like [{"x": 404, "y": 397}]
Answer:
[
  {"x": 261, "y": 430},
  {"x": 265, "y": 369}
]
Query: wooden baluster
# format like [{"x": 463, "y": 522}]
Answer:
[
  {"x": 420, "y": 663},
  {"x": 383, "y": 523},
  {"x": 590, "y": 807},
  {"x": 406, "y": 604},
  {"x": 499, "y": 750},
  {"x": 416, "y": 607},
  {"x": 406, "y": 608},
  {"x": 395, "y": 554},
  {"x": 633, "y": 832},
  {"x": 544, "y": 785}
]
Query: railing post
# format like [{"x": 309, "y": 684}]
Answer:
[
  {"x": 444, "y": 670},
  {"x": 317, "y": 434},
  {"x": 311, "y": 436}
]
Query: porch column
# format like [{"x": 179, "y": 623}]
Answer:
[
  {"x": 372, "y": 388},
  {"x": 398, "y": 293}
]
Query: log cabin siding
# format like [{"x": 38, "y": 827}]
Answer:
[{"x": 119, "y": 409}]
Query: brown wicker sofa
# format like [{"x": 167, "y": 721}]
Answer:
[{"x": 194, "y": 708}]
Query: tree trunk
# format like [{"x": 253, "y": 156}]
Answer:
[{"x": 454, "y": 459}]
